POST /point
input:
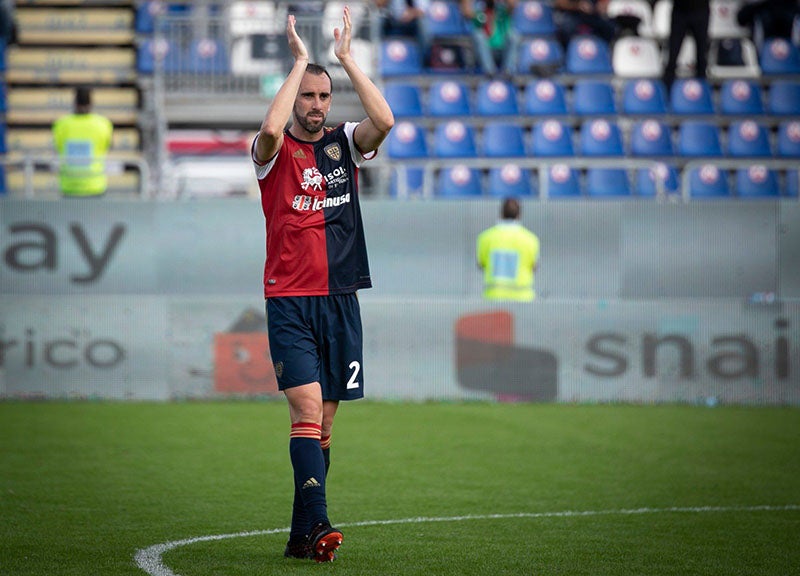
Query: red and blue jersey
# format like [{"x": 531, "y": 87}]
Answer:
[{"x": 315, "y": 236}]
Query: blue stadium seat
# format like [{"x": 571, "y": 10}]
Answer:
[
  {"x": 510, "y": 180},
  {"x": 552, "y": 138},
  {"x": 449, "y": 98},
  {"x": 454, "y": 139},
  {"x": 779, "y": 57},
  {"x": 651, "y": 137},
  {"x": 533, "y": 18},
  {"x": 647, "y": 178},
  {"x": 757, "y": 181},
  {"x": 414, "y": 183},
  {"x": 698, "y": 138},
  {"x": 740, "y": 97},
  {"x": 443, "y": 19},
  {"x": 208, "y": 56},
  {"x": 540, "y": 55},
  {"x": 691, "y": 96},
  {"x": 592, "y": 97},
  {"x": 788, "y": 139},
  {"x": 601, "y": 137},
  {"x": 3, "y": 97},
  {"x": 588, "y": 55},
  {"x": 607, "y": 182},
  {"x": 784, "y": 98},
  {"x": 400, "y": 57},
  {"x": 563, "y": 182},
  {"x": 503, "y": 139},
  {"x": 153, "y": 51},
  {"x": 146, "y": 13},
  {"x": 544, "y": 97},
  {"x": 407, "y": 140},
  {"x": 644, "y": 96},
  {"x": 748, "y": 138},
  {"x": 496, "y": 98},
  {"x": 458, "y": 182},
  {"x": 792, "y": 183},
  {"x": 708, "y": 181},
  {"x": 404, "y": 99},
  {"x": 3, "y": 145}
]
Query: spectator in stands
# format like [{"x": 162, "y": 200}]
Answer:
[
  {"x": 769, "y": 19},
  {"x": 82, "y": 140},
  {"x": 690, "y": 16},
  {"x": 402, "y": 17},
  {"x": 573, "y": 17},
  {"x": 494, "y": 38},
  {"x": 508, "y": 254}
]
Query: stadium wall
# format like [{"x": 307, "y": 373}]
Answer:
[{"x": 638, "y": 302}]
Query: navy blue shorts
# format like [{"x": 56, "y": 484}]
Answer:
[{"x": 317, "y": 339}]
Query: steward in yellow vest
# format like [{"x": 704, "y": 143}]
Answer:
[
  {"x": 82, "y": 140},
  {"x": 508, "y": 254}
]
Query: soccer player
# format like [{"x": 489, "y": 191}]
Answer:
[
  {"x": 508, "y": 254},
  {"x": 316, "y": 261}
]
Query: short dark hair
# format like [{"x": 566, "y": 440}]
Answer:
[
  {"x": 319, "y": 70},
  {"x": 510, "y": 209},
  {"x": 83, "y": 97}
]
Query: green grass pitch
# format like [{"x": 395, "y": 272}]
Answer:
[{"x": 428, "y": 489}]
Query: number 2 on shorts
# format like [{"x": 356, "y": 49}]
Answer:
[{"x": 356, "y": 368}]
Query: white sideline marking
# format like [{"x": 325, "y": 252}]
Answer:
[{"x": 150, "y": 559}]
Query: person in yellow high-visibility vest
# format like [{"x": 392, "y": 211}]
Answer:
[
  {"x": 508, "y": 254},
  {"x": 82, "y": 140}
]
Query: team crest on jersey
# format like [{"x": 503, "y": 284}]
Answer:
[
  {"x": 333, "y": 151},
  {"x": 312, "y": 179}
]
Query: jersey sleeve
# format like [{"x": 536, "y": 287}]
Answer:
[{"x": 358, "y": 158}]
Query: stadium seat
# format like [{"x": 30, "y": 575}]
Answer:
[
  {"x": 757, "y": 181},
  {"x": 533, "y": 18},
  {"x": 3, "y": 101},
  {"x": 541, "y": 56},
  {"x": 644, "y": 96},
  {"x": 792, "y": 183},
  {"x": 647, "y": 179},
  {"x": 552, "y": 138},
  {"x": 686, "y": 65},
  {"x": 607, "y": 182},
  {"x": 403, "y": 98},
  {"x": 740, "y": 97},
  {"x": 563, "y": 182},
  {"x": 407, "y": 140},
  {"x": 636, "y": 57},
  {"x": 592, "y": 97},
  {"x": 784, "y": 98},
  {"x": 458, "y": 182},
  {"x": 208, "y": 56},
  {"x": 503, "y": 139},
  {"x": 154, "y": 52},
  {"x": 722, "y": 20},
  {"x": 651, "y": 137},
  {"x": 708, "y": 181},
  {"x": 454, "y": 139},
  {"x": 443, "y": 19},
  {"x": 640, "y": 9},
  {"x": 544, "y": 98},
  {"x": 496, "y": 98},
  {"x": 601, "y": 137},
  {"x": 699, "y": 138},
  {"x": 779, "y": 56},
  {"x": 509, "y": 180},
  {"x": 400, "y": 57},
  {"x": 733, "y": 58},
  {"x": 146, "y": 14},
  {"x": 788, "y": 139},
  {"x": 413, "y": 180},
  {"x": 248, "y": 17},
  {"x": 691, "y": 96},
  {"x": 662, "y": 14},
  {"x": 748, "y": 139},
  {"x": 449, "y": 98},
  {"x": 588, "y": 55}
]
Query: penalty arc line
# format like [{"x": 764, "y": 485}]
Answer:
[{"x": 150, "y": 559}]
